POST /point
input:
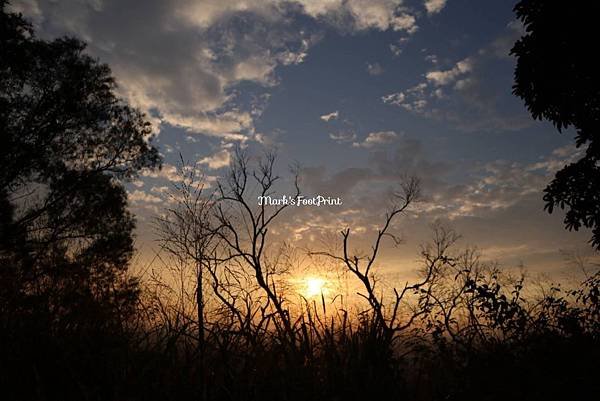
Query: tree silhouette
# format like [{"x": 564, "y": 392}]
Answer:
[
  {"x": 557, "y": 75},
  {"x": 66, "y": 144}
]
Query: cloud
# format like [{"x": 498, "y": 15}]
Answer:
[
  {"x": 472, "y": 95},
  {"x": 413, "y": 99},
  {"x": 230, "y": 125},
  {"x": 138, "y": 196},
  {"x": 396, "y": 47},
  {"x": 374, "y": 69},
  {"x": 496, "y": 204},
  {"x": 182, "y": 61},
  {"x": 167, "y": 172},
  {"x": 343, "y": 136},
  {"x": 341, "y": 14},
  {"x": 362, "y": 14},
  {"x": 218, "y": 160},
  {"x": 405, "y": 22},
  {"x": 160, "y": 190},
  {"x": 559, "y": 158},
  {"x": 178, "y": 67},
  {"x": 501, "y": 184},
  {"x": 434, "y": 6},
  {"x": 330, "y": 116},
  {"x": 394, "y": 98},
  {"x": 376, "y": 139},
  {"x": 432, "y": 58},
  {"x": 500, "y": 47},
  {"x": 446, "y": 77}
]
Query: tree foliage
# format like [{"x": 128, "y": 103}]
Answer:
[
  {"x": 557, "y": 75},
  {"x": 67, "y": 143}
]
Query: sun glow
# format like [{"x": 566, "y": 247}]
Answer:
[{"x": 314, "y": 286}]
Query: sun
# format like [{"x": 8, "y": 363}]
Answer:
[{"x": 314, "y": 286}]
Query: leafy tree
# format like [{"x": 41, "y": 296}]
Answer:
[
  {"x": 67, "y": 143},
  {"x": 558, "y": 77}
]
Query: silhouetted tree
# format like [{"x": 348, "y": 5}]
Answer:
[
  {"x": 185, "y": 231},
  {"x": 389, "y": 324},
  {"x": 66, "y": 144},
  {"x": 243, "y": 228},
  {"x": 558, "y": 77}
]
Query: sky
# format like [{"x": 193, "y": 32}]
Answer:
[{"x": 359, "y": 92}]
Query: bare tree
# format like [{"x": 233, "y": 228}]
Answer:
[
  {"x": 244, "y": 224},
  {"x": 185, "y": 231},
  {"x": 361, "y": 266}
]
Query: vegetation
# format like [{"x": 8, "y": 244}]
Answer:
[
  {"x": 216, "y": 322},
  {"x": 557, "y": 77}
]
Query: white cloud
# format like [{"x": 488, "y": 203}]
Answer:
[
  {"x": 434, "y": 6},
  {"x": 464, "y": 95},
  {"x": 331, "y": 116},
  {"x": 446, "y": 77},
  {"x": 343, "y": 136},
  {"x": 138, "y": 196},
  {"x": 364, "y": 14},
  {"x": 559, "y": 158},
  {"x": 396, "y": 48},
  {"x": 218, "y": 160},
  {"x": 377, "y": 138},
  {"x": 184, "y": 62},
  {"x": 413, "y": 99},
  {"x": 168, "y": 172},
  {"x": 432, "y": 58},
  {"x": 229, "y": 125},
  {"x": 160, "y": 190},
  {"x": 394, "y": 98}
]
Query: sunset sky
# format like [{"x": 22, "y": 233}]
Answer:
[{"x": 358, "y": 92}]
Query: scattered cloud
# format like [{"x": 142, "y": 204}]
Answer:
[
  {"x": 160, "y": 190},
  {"x": 397, "y": 47},
  {"x": 138, "y": 196},
  {"x": 374, "y": 69},
  {"x": 218, "y": 160},
  {"x": 470, "y": 95},
  {"x": 228, "y": 57},
  {"x": 446, "y": 77},
  {"x": 376, "y": 139},
  {"x": 394, "y": 98},
  {"x": 167, "y": 172},
  {"x": 343, "y": 136},
  {"x": 362, "y": 14},
  {"x": 497, "y": 193},
  {"x": 219, "y": 45},
  {"x": 331, "y": 116},
  {"x": 434, "y": 6},
  {"x": 432, "y": 58},
  {"x": 413, "y": 99}
]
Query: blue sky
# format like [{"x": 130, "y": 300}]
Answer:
[{"x": 359, "y": 92}]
